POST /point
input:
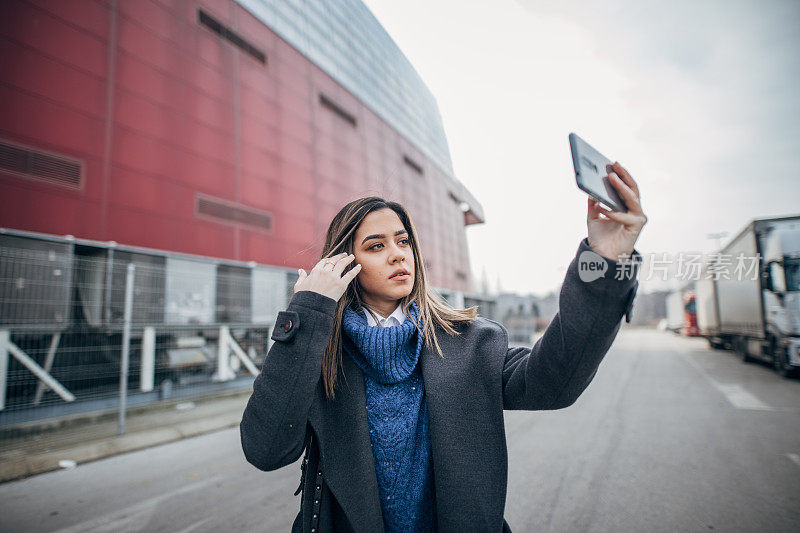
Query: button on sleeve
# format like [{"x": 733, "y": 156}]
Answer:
[{"x": 286, "y": 326}]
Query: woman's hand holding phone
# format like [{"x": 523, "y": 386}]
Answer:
[
  {"x": 614, "y": 237},
  {"x": 326, "y": 277}
]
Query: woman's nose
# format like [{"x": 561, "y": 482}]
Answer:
[{"x": 396, "y": 254}]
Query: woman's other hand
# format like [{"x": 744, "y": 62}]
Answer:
[
  {"x": 326, "y": 277},
  {"x": 614, "y": 237}
]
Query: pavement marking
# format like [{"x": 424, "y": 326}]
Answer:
[
  {"x": 128, "y": 518},
  {"x": 737, "y": 396},
  {"x": 794, "y": 457},
  {"x": 741, "y": 398},
  {"x": 194, "y": 526}
]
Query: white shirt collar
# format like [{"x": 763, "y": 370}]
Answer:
[{"x": 395, "y": 319}]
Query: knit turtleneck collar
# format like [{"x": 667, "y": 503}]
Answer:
[{"x": 387, "y": 355}]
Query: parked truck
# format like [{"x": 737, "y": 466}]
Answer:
[
  {"x": 676, "y": 318},
  {"x": 748, "y": 294}
]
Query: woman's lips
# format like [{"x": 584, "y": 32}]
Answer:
[{"x": 401, "y": 277}]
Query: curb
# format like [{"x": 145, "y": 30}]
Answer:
[
  {"x": 53, "y": 424},
  {"x": 17, "y": 464},
  {"x": 20, "y": 463}
]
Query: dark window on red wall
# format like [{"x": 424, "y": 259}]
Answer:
[
  {"x": 228, "y": 34},
  {"x": 413, "y": 164},
  {"x": 233, "y": 213},
  {"x": 337, "y": 109}
]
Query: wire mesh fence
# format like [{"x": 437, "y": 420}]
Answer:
[{"x": 194, "y": 326}]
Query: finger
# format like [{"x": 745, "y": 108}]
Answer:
[
  {"x": 338, "y": 257},
  {"x": 627, "y": 219},
  {"x": 335, "y": 261},
  {"x": 342, "y": 263},
  {"x": 592, "y": 211},
  {"x": 351, "y": 274},
  {"x": 626, "y": 177},
  {"x": 301, "y": 276},
  {"x": 596, "y": 208},
  {"x": 331, "y": 259},
  {"x": 628, "y": 196}
]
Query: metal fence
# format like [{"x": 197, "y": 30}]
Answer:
[{"x": 88, "y": 327}]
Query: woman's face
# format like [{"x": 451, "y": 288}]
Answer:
[{"x": 383, "y": 248}]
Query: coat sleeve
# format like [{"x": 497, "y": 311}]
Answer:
[
  {"x": 562, "y": 363},
  {"x": 273, "y": 426}
]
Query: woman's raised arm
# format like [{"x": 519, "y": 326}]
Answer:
[
  {"x": 598, "y": 290},
  {"x": 562, "y": 363},
  {"x": 273, "y": 427}
]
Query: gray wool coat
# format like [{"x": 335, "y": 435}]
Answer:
[{"x": 466, "y": 392}]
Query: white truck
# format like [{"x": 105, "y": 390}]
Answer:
[
  {"x": 676, "y": 315},
  {"x": 748, "y": 294}
]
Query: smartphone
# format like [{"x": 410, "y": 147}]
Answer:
[{"x": 591, "y": 174}]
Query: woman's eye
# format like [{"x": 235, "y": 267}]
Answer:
[{"x": 404, "y": 242}]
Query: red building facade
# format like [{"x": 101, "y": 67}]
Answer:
[{"x": 192, "y": 126}]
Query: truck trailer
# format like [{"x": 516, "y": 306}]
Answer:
[
  {"x": 676, "y": 318},
  {"x": 748, "y": 294}
]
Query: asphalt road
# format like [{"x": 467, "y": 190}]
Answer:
[{"x": 670, "y": 436}]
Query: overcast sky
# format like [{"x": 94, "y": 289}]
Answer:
[{"x": 699, "y": 100}]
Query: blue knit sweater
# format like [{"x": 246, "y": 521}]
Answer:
[{"x": 398, "y": 419}]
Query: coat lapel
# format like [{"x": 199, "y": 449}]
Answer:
[
  {"x": 441, "y": 377},
  {"x": 348, "y": 463}
]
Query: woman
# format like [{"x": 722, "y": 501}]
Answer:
[{"x": 398, "y": 398}]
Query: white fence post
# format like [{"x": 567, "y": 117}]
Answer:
[
  {"x": 4, "y": 340},
  {"x": 224, "y": 372},
  {"x": 148, "y": 364},
  {"x": 126, "y": 342}
]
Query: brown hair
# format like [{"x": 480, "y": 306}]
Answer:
[{"x": 434, "y": 312}]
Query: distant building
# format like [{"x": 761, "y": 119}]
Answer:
[
  {"x": 524, "y": 315},
  {"x": 519, "y": 314},
  {"x": 649, "y": 308},
  {"x": 548, "y": 307}
]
